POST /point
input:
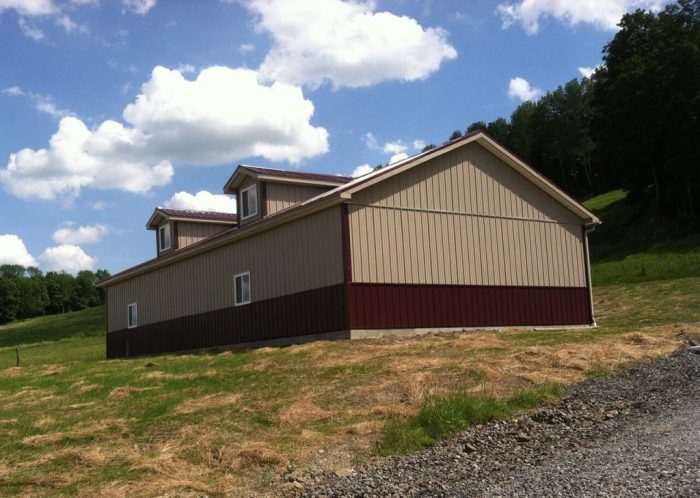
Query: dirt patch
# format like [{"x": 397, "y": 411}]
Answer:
[
  {"x": 208, "y": 402},
  {"x": 303, "y": 411}
]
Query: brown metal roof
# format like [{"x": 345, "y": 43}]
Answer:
[
  {"x": 200, "y": 215},
  {"x": 299, "y": 174}
]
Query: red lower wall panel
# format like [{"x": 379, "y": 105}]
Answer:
[{"x": 390, "y": 306}]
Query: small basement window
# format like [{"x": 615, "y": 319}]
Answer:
[
  {"x": 249, "y": 202},
  {"x": 242, "y": 288},
  {"x": 164, "y": 237},
  {"x": 133, "y": 316}
]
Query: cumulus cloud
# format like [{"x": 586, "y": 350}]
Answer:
[
  {"x": 400, "y": 156},
  {"x": 89, "y": 234},
  {"x": 587, "y": 72},
  {"x": 520, "y": 88},
  {"x": 221, "y": 116},
  {"x": 66, "y": 257},
  {"x": 140, "y": 7},
  {"x": 419, "y": 145},
  {"x": 346, "y": 43},
  {"x": 202, "y": 201},
  {"x": 395, "y": 147},
  {"x": 77, "y": 157},
  {"x": 601, "y": 14},
  {"x": 362, "y": 170},
  {"x": 14, "y": 252}
]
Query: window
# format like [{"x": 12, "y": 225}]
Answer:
[
  {"x": 164, "y": 237},
  {"x": 133, "y": 316},
  {"x": 249, "y": 202},
  {"x": 242, "y": 288}
]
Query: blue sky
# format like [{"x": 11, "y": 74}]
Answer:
[{"x": 112, "y": 107}]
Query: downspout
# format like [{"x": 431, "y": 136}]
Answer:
[{"x": 586, "y": 231}]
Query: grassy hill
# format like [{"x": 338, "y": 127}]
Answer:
[
  {"x": 216, "y": 423},
  {"x": 633, "y": 245}
]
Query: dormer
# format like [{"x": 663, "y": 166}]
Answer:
[
  {"x": 178, "y": 228},
  {"x": 265, "y": 191}
]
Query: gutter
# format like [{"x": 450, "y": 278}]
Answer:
[{"x": 586, "y": 230}]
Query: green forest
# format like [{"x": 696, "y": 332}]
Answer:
[
  {"x": 634, "y": 124},
  {"x": 27, "y": 292}
]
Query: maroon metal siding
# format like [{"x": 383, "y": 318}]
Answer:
[
  {"x": 392, "y": 306},
  {"x": 310, "y": 312}
]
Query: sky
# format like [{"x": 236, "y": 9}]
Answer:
[{"x": 111, "y": 108}]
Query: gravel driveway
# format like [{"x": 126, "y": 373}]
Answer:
[{"x": 636, "y": 434}]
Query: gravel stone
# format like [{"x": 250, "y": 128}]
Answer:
[{"x": 634, "y": 434}]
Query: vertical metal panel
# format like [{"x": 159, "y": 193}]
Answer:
[
  {"x": 191, "y": 232},
  {"x": 280, "y": 196},
  {"x": 464, "y": 306},
  {"x": 300, "y": 255}
]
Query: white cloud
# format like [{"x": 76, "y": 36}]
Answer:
[
  {"x": 520, "y": 88},
  {"x": 362, "y": 170},
  {"x": 587, "y": 72},
  {"x": 221, "y": 116},
  {"x": 371, "y": 141},
  {"x": 395, "y": 147},
  {"x": 246, "y": 47},
  {"x": 30, "y": 31},
  {"x": 202, "y": 201},
  {"x": 99, "y": 205},
  {"x": 140, "y": 7},
  {"x": 14, "y": 252},
  {"x": 66, "y": 257},
  {"x": 107, "y": 157},
  {"x": 419, "y": 144},
  {"x": 15, "y": 91},
  {"x": 29, "y": 7},
  {"x": 400, "y": 156},
  {"x": 89, "y": 234},
  {"x": 346, "y": 43},
  {"x": 186, "y": 68},
  {"x": 224, "y": 115},
  {"x": 601, "y": 14}
]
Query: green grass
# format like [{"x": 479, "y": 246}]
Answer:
[
  {"x": 86, "y": 323},
  {"x": 444, "y": 416},
  {"x": 633, "y": 245}
]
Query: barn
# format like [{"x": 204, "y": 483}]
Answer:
[{"x": 461, "y": 236}]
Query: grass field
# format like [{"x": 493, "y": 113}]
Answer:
[{"x": 73, "y": 424}]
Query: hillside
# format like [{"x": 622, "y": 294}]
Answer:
[{"x": 633, "y": 245}]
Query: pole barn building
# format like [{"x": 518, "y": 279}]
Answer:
[{"x": 464, "y": 235}]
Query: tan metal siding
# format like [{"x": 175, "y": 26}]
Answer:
[
  {"x": 467, "y": 180},
  {"x": 191, "y": 232},
  {"x": 301, "y": 255},
  {"x": 279, "y": 196},
  {"x": 464, "y": 218}
]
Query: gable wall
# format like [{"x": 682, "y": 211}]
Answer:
[
  {"x": 464, "y": 218},
  {"x": 280, "y": 196},
  {"x": 190, "y": 232},
  {"x": 298, "y": 256}
]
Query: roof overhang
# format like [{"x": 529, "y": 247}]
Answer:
[
  {"x": 242, "y": 172},
  {"x": 159, "y": 217}
]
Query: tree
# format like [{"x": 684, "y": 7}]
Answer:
[
  {"x": 476, "y": 126},
  {"x": 9, "y": 299},
  {"x": 455, "y": 135},
  {"x": 102, "y": 275},
  {"x": 33, "y": 297},
  {"x": 59, "y": 287},
  {"x": 85, "y": 293}
]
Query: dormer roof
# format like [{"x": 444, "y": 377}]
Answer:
[
  {"x": 161, "y": 215},
  {"x": 282, "y": 176}
]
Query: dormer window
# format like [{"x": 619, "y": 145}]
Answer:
[
  {"x": 249, "y": 202},
  {"x": 164, "y": 237}
]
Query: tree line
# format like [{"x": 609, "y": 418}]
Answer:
[
  {"x": 27, "y": 292},
  {"x": 634, "y": 124}
]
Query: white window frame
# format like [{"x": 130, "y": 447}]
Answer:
[
  {"x": 235, "y": 291},
  {"x": 135, "y": 314},
  {"x": 254, "y": 211},
  {"x": 169, "y": 232}
]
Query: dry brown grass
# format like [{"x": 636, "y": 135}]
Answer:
[
  {"x": 303, "y": 410},
  {"x": 207, "y": 402},
  {"x": 44, "y": 439}
]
